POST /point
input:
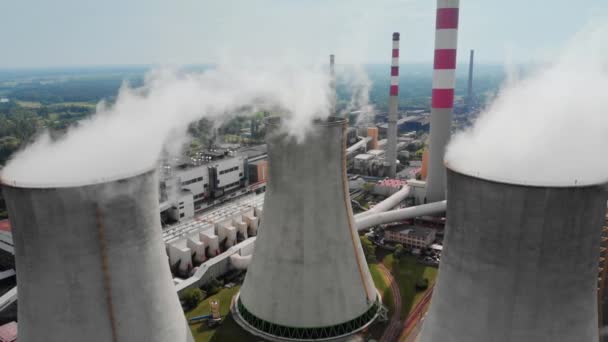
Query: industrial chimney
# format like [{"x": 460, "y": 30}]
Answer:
[
  {"x": 519, "y": 264},
  {"x": 308, "y": 279},
  {"x": 332, "y": 84},
  {"x": 91, "y": 264},
  {"x": 442, "y": 102},
  {"x": 469, "y": 99},
  {"x": 391, "y": 143}
]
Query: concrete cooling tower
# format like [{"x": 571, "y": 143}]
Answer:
[
  {"x": 519, "y": 264},
  {"x": 91, "y": 264},
  {"x": 308, "y": 279}
]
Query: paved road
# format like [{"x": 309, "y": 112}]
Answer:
[{"x": 391, "y": 334}]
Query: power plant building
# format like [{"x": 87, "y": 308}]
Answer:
[
  {"x": 519, "y": 263},
  {"x": 308, "y": 278}
]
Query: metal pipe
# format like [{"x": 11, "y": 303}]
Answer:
[
  {"x": 356, "y": 146},
  {"x": 400, "y": 214},
  {"x": 389, "y": 203}
]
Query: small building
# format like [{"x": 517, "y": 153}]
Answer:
[
  {"x": 387, "y": 187},
  {"x": 411, "y": 236}
]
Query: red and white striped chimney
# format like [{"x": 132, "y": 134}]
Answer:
[
  {"x": 442, "y": 102},
  {"x": 391, "y": 144}
]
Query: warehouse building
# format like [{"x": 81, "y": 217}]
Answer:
[{"x": 411, "y": 236}]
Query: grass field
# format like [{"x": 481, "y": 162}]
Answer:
[
  {"x": 406, "y": 272},
  {"x": 28, "y": 104},
  {"x": 377, "y": 329},
  {"x": 76, "y": 104},
  {"x": 228, "y": 331}
]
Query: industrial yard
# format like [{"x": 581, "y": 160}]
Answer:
[{"x": 279, "y": 195}]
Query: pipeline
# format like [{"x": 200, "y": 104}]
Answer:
[
  {"x": 240, "y": 262},
  {"x": 355, "y": 147},
  {"x": 389, "y": 203},
  {"x": 400, "y": 214}
]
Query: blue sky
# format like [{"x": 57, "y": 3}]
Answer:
[{"x": 42, "y": 33}]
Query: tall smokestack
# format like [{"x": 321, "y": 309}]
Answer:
[
  {"x": 442, "y": 103},
  {"x": 391, "y": 144},
  {"x": 470, "y": 84},
  {"x": 332, "y": 84},
  {"x": 308, "y": 278}
]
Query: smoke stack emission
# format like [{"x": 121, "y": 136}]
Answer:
[
  {"x": 332, "y": 85},
  {"x": 391, "y": 144},
  {"x": 308, "y": 278},
  {"x": 91, "y": 262},
  {"x": 442, "y": 102},
  {"x": 469, "y": 99}
]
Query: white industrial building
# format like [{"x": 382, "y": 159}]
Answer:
[{"x": 191, "y": 243}]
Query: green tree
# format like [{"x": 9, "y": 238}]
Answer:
[
  {"x": 192, "y": 297},
  {"x": 213, "y": 286},
  {"x": 422, "y": 284},
  {"x": 369, "y": 249},
  {"x": 399, "y": 251}
]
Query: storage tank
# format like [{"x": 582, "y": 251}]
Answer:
[
  {"x": 308, "y": 278},
  {"x": 519, "y": 263},
  {"x": 91, "y": 263}
]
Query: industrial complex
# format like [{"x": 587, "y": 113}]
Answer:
[{"x": 293, "y": 227}]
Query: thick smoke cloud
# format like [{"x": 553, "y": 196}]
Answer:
[
  {"x": 550, "y": 128},
  {"x": 129, "y": 136}
]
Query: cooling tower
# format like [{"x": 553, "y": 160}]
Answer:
[
  {"x": 91, "y": 263},
  {"x": 308, "y": 279},
  {"x": 519, "y": 263}
]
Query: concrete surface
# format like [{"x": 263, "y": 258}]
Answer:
[
  {"x": 519, "y": 264},
  {"x": 308, "y": 267},
  {"x": 91, "y": 264},
  {"x": 439, "y": 135}
]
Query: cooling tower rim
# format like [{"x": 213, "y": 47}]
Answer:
[
  {"x": 329, "y": 121},
  {"x": 531, "y": 184},
  {"x": 76, "y": 184}
]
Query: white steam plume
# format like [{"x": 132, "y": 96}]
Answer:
[
  {"x": 550, "y": 128},
  {"x": 355, "y": 78},
  {"x": 129, "y": 136}
]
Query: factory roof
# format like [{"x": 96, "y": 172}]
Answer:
[
  {"x": 375, "y": 152},
  {"x": 415, "y": 232},
  {"x": 364, "y": 156},
  {"x": 217, "y": 214},
  {"x": 393, "y": 183},
  {"x": 5, "y": 225},
  {"x": 253, "y": 151},
  {"x": 8, "y": 332}
]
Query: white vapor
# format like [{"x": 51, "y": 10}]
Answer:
[
  {"x": 129, "y": 136},
  {"x": 549, "y": 128},
  {"x": 356, "y": 79}
]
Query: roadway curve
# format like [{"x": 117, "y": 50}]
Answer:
[{"x": 392, "y": 332}]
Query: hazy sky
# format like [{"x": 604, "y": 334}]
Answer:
[{"x": 40, "y": 33}]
